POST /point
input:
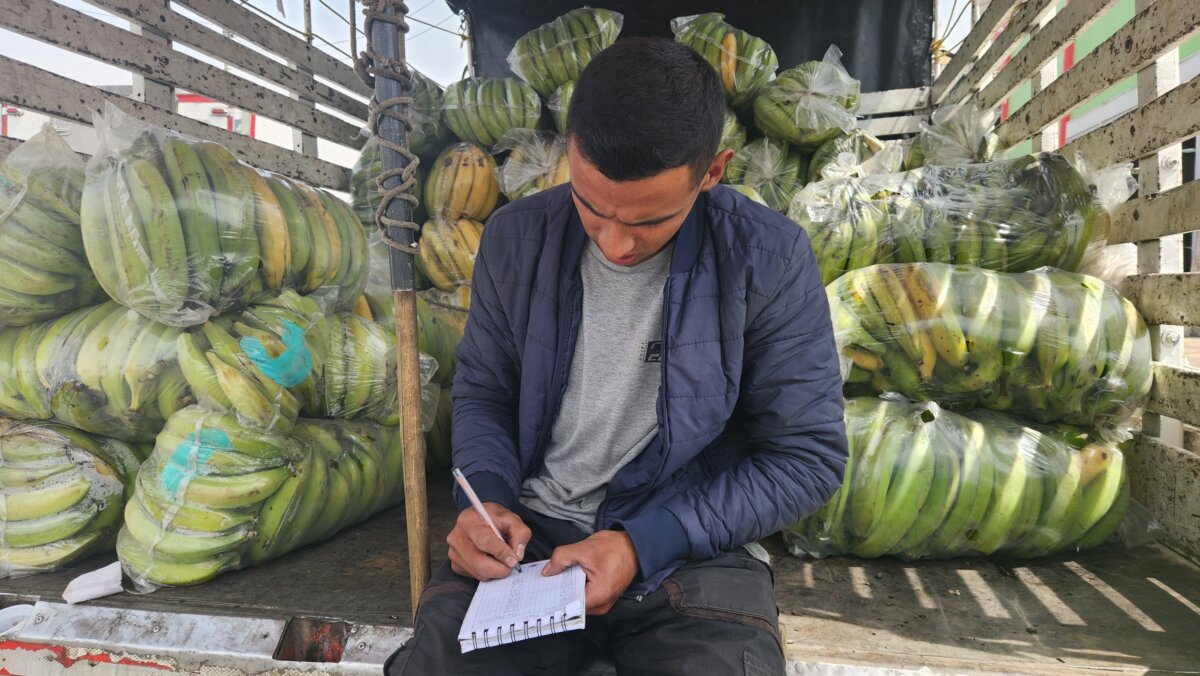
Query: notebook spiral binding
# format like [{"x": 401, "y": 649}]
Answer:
[{"x": 554, "y": 625}]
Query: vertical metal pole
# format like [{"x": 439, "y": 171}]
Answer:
[
  {"x": 388, "y": 41},
  {"x": 353, "y": 17},
  {"x": 308, "y": 34}
]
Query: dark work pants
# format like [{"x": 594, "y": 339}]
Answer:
[{"x": 712, "y": 617}]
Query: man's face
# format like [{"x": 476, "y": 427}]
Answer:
[{"x": 633, "y": 220}]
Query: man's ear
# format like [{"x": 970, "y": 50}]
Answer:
[{"x": 716, "y": 170}]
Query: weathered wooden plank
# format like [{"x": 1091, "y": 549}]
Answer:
[
  {"x": 1166, "y": 120},
  {"x": 1136, "y": 45},
  {"x": 64, "y": 27},
  {"x": 1166, "y": 298},
  {"x": 1072, "y": 20},
  {"x": 1175, "y": 393},
  {"x": 894, "y": 101},
  {"x": 262, "y": 32},
  {"x": 31, "y": 87},
  {"x": 967, "y": 56},
  {"x": 182, "y": 29},
  {"x": 1170, "y": 213},
  {"x": 1023, "y": 22},
  {"x": 892, "y": 126},
  {"x": 1166, "y": 480}
]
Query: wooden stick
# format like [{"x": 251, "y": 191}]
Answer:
[{"x": 416, "y": 505}]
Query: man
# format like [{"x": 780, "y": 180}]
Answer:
[{"x": 648, "y": 382}]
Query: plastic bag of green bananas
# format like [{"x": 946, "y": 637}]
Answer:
[
  {"x": 852, "y": 155},
  {"x": 955, "y": 134},
  {"x": 104, "y": 369},
  {"x": 924, "y": 482},
  {"x": 733, "y": 134},
  {"x": 536, "y": 160},
  {"x": 1047, "y": 345},
  {"x": 555, "y": 53},
  {"x": 559, "y": 104},
  {"x": 43, "y": 269},
  {"x": 180, "y": 230},
  {"x": 365, "y": 196},
  {"x": 429, "y": 133},
  {"x": 744, "y": 62},
  {"x": 776, "y": 170},
  {"x": 216, "y": 495},
  {"x": 462, "y": 183},
  {"x": 1012, "y": 216},
  {"x": 62, "y": 492},
  {"x": 809, "y": 104},
  {"x": 481, "y": 110}
]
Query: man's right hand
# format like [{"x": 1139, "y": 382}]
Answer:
[{"x": 476, "y": 552}]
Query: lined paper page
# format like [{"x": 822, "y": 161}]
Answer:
[{"x": 525, "y": 597}]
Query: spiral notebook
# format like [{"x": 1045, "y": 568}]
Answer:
[{"x": 524, "y": 605}]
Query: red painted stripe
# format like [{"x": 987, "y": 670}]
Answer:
[
  {"x": 1068, "y": 61},
  {"x": 229, "y": 122},
  {"x": 253, "y": 119},
  {"x": 193, "y": 98},
  {"x": 60, "y": 654}
]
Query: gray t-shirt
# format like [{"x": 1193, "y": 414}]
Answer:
[{"x": 609, "y": 411}]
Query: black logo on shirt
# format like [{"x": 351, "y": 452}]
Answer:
[{"x": 654, "y": 351}]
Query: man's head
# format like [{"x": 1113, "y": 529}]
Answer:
[{"x": 644, "y": 126}]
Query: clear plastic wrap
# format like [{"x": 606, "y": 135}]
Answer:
[
  {"x": 439, "y": 454},
  {"x": 744, "y": 62},
  {"x": 809, "y": 104},
  {"x": 1047, "y": 345},
  {"x": 1011, "y": 216},
  {"x": 429, "y": 133},
  {"x": 559, "y": 104},
  {"x": 448, "y": 249},
  {"x": 733, "y": 134},
  {"x": 923, "y": 482},
  {"x": 62, "y": 492},
  {"x": 215, "y": 495},
  {"x": 462, "y": 183},
  {"x": 776, "y": 170},
  {"x": 555, "y": 53},
  {"x": 180, "y": 230},
  {"x": 43, "y": 269},
  {"x": 104, "y": 369},
  {"x": 956, "y": 134},
  {"x": 481, "y": 110},
  {"x": 749, "y": 192},
  {"x": 365, "y": 197},
  {"x": 537, "y": 160},
  {"x": 858, "y": 145}
]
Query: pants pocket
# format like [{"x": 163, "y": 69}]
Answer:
[{"x": 733, "y": 587}]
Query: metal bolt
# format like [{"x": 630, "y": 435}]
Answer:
[
  {"x": 362, "y": 645},
  {"x": 1170, "y": 338},
  {"x": 38, "y": 619},
  {"x": 155, "y": 628}
]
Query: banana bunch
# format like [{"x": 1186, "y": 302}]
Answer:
[
  {"x": 262, "y": 365},
  {"x": 555, "y": 53},
  {"x": 182, "y": 230},
  {"x": 365, "y": 195},
  {"x": 360, "y": 371},
  {"x": 809, "y": 104},
  {"x": 104, "y": 369},
  {"x": 447, "y": 251},
  {"x": 429, "y": 133},
  {"x": 441, "y": 321},
  {"x": 558, "y": 105},
  {"x": 536, "y": 161},
  {"x": 776, "y": 170},
  {"x": 215, "y": 495},
  {"x": 744, "y": 62},
  {"x": 858, "y": 144},
  {"x": 1010, "y": 216},
  {"x": 61, "y": 495},
  {"x": 749, "y": 192},
  {"x": 733, "y": 134},
  {"x": 956, "y": 134},
  {"x": 481, "y": 110},
  {"x": 922, "y": 482},
  {"x": 43, "y": 269},
  {"x": 462, "y": 183},
  {"x": 1048, "y": 345}
]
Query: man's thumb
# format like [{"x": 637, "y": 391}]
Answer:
[{"x": 559, "y": 560}]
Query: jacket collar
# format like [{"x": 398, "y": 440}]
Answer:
[{"x": 687, "y": 241}]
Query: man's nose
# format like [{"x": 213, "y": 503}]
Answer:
[{"x": 615, "y": 243}]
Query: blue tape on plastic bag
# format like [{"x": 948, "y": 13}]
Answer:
[
  {"x": 292, "y": 366},
  {"x": 191, "y": 456}
]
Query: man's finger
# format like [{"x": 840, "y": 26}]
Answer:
[
  {"x": 518, "y": 533},
  {"x": 476, "y": 564},
  {"x": 485, "y": 539},
  {"x": 562, "y": 558}
]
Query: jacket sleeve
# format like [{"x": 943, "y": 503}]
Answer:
[
  {"x": 486, "y": 392},
  {"x": 792, "y": 406}
]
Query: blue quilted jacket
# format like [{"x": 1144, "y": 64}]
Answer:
[{"x": 751, "y": 437}]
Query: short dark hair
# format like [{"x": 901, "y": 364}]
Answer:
[{"x": 645, "y": 105}]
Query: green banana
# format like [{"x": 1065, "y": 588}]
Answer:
[
  {"x": 907, "y": 486},
  {"x": 176, "y": 545},
  {"x": 56, "y": 494},
  {"x": 235, "y": 492},
  {"x": 44, "y": 557},
  {"x": 974, "y": 493},
  {"x": 940, "y": 501},
  {"x": 153, "y": 206},
  {"x": 1004, "y": 504},
  {"x": 145, "y": 567},
  {"x": 47, "y": 529}
]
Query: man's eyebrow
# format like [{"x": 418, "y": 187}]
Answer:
[{"x": 648, "y": 221}]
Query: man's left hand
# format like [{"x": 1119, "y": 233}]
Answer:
[{"x": 609, "y": 561}]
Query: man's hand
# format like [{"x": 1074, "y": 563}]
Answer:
[
  {"x": 476, "y": 552},
  {"x": 608, "y": 559}
]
